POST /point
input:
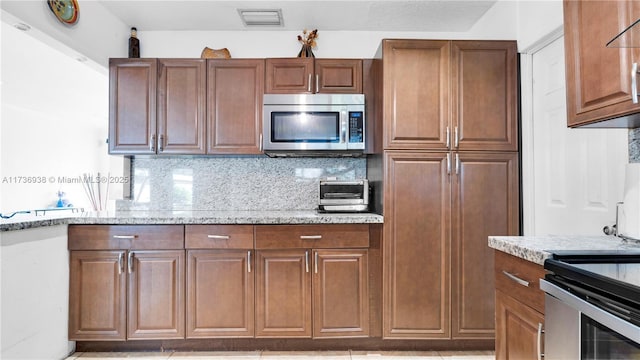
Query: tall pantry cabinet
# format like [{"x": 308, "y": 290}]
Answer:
[{"x": 450, "y": 180}]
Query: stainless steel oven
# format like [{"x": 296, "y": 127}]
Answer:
[{"x": 592, "y": 305}]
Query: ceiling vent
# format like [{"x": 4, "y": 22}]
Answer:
[{"x": 261, "y": 17}]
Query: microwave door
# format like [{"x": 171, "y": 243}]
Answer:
[{"x": 306, "y": 129}]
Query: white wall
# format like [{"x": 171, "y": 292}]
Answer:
[
  {"x": 54, "y": 124},
  {"x": 35, "y": 294},
  {"x": 536, "y": 19}
]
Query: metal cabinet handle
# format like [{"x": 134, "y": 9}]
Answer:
[
  {"x": 448, "y": 136},
  {"x": 310, "y": 237},
  {"x": 634, "y": 83},
  {"x": 317, "y": 83},
  {"x": 161, "y": 143},
  {"x": 448, "y": 163},
  {"x": 152, "y": 143},
  {"x": 219, "y": 237},
  {"x": 130, "y": 262},
  {"x": 260, "y": 144},
  {"x": 306, "y": 260},
  {"x": 456, "y": 139},
  {"x": 457, "y": 164},
  {"x": 120, "y": 264},
  {"x": 125, "y": 236},
  {"x": 309, "y": 84},
  {"x": 315, "y": 265},
  {"x": 515, "y": 278},
  {"x": 249, "y": 261},
  {"x": 539, "y": 345}
]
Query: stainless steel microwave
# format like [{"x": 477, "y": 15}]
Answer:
[{"x": 313, "y": 123}]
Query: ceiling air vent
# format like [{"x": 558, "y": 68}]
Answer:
[{"x": 261, "y": 17}]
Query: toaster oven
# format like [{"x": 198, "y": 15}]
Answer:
[{"x": 344, "y": 196}]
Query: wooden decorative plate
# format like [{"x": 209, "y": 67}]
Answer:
[{"x": 66, "y": 11}]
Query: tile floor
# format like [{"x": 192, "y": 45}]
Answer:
[{"x": 292, "y": 355}]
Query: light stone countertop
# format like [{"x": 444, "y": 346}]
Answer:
[
  {"x": 538, "y": 248},
  {"x": 190, "y": 217}
]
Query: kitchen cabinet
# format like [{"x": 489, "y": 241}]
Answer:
[
  {"x": 298, "y": 263},
  {"x": 157, "y": 106},
  {"x": 519, "y": 308},
  {"x": 185, "y": 106},
  {"x": 220, "y": 281},
  {"x": 234, "y": 106},
  {"x": 450, "y": 95},
  {"x": 599, "y": 79},
  {"x": 310, "y": 75},
  {"x": 143, "y": 267}
]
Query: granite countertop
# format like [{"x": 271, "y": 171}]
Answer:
[
  {"x": 189, "y": 217},
  {"x": 538, "y": 248}
]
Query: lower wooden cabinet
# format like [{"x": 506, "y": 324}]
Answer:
[
  {"x": 220, "y": 294},
  {"x": 518, "y": 329},
  {"x": 156, "y": 294},
  {"x": 97, "y": 295}
]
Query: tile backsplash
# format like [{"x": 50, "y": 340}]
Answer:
[
  {"x": 634, "y": 145},
  {"x": 234, "y": 183}
]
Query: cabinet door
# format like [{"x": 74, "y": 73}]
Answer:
[
  {"x": 289, "y": 76},
  {"x": 338, "y": 76},
  {"x": 97, "y": 296},
  {"x": 484, "y": 95},
  {"x": 283, "y": 293},
  {"x": 485, "y": 202},
  {"x": 340, "y": 294},
  {"x": 220, "y": 294},
  {"x": 416, "y": 249},
  {"x": 517, "y": 329},
  {"x": 156, "y": 294},
  {"x": 132, "y": 106},
  {"x": 598, "y": 78},
  {"x": 234, "y": 115},
  {"x": 181, "y": 106},
  {"x": 416, "y": 78}
]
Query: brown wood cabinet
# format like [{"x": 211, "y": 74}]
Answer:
[
  {"x": 327, "y": 262},
  {"x": 310, "y": 75},
  {"x": 132, "y": 106},
  {"x": 450, "y": 95},
  {"x": 144, "y": 283},
  {"x": 97, "y": 295},
  {"x": 519, "y": 308},
  {"x": 599, "y": 79},
  {"x": 234, "y": 106},
  {"x": 220, "y": 281}
]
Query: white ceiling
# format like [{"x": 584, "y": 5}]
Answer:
[{"x": 326, "y": 15}]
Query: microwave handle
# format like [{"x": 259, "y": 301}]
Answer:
[{"x": 345, "y": 125}]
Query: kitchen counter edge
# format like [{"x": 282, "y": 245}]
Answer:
[{"x": 201, "y": 217}]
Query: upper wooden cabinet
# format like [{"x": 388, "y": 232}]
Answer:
[
  {"x": 450, "y": 95},
  {"x": 185, "y": 106},
  {"x": 310, "y": 75},
  {"x": 234, "y": 106},
  {"x": 599, "y": 79}
]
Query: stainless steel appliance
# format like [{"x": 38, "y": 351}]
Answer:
[
  {"x": 344, "y": 196},
  {"x": 306, "y": 124},
  {"x": 592, "y": 305}
]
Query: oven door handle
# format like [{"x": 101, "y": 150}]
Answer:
[
  {"x": 620, "y": 326},
  {"x": 539, "y": 344}
]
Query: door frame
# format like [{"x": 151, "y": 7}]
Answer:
[{"x": 527, "y": 152}]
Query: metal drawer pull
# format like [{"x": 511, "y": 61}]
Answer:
[
  {"x": 310, "y": 237},
  {"x": 249, "y": 261},
  {"x": 125, "y": 236},
  {"x": 539, "y": 345},
  {"x": 219, "y": 237},
  {"x": 515, "y": 278}
]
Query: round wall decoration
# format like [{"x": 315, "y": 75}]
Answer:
[{"x": 66, "y": 11}]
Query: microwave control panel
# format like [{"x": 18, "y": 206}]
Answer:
[{"x": 356, "y": 127}]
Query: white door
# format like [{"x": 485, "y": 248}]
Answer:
[{"x": 578, "y": 174}]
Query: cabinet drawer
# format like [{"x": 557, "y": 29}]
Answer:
[
  {"x": 509, "y": 269},
  {"x": 126, "y": 237},
  {"x": 312, "y": 236},
  {"x": 219, "y": 236}
]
